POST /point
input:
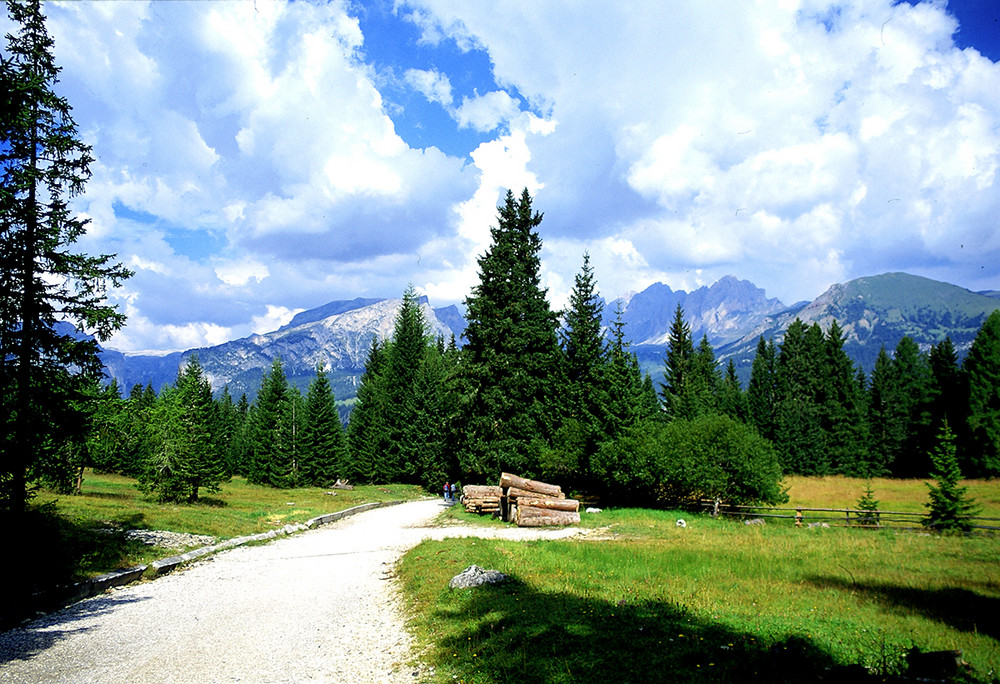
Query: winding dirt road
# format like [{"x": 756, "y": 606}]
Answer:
[{"x": 313, "y": 607}]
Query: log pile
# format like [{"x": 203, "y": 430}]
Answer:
[
  {"x": 526, "y": 503},
  {"x": 482, "y": 499}
]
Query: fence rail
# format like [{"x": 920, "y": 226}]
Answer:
[{"x": 844, "y": 517}]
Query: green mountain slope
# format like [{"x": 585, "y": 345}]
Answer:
[{"x": 879, "y": 311}]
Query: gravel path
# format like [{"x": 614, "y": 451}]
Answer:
[{"x": 313, "y": 607}]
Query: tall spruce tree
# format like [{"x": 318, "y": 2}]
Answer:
[
  {"x": 799, "y": 429},
  {"x": 186, "y": 457},
  {"x": 676, "y": 364},
  {"x": 434, "y": 428},
  {"x": 699, "y": 396},
  {"x": 405, "y": 356},
  {"x": 43, "y": 164},
  {"x": 912, "y": 383},
  {"x": 108, "y": 440},
  {"x": 947, "y": 402},
  {"x": 762, "y": 389},
  {"x": 241, "y": 448},
  {"x": 982, "y": 375},
  {"x": 886, "y": 424},
  {"x": 367, "y": 433},
  {"x": 273, "y": 457},
  {"x": 583, "y": 342},
  {"x": 138, "y": 442},
  {"x": 631, "y": 396},
  {"x": 732, "y": 399},
  {"x": 843, "y": 415},
  {"x": 587, "y": 401},
  {"x": 512, "y": 361},
  {"x": 228, "y": 421},
  {"x": 322, "y": 444}
]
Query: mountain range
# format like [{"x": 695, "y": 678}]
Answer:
[{"x": 873, "y": 312}]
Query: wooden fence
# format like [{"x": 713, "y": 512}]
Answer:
[{"x": 839, "y": 517}]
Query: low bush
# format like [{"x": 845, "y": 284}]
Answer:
[{"x": 678, "y": 463}]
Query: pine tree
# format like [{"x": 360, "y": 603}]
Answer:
[
  {"x": 583, "y": 344},
  {"x": 701, "y": 386},
  {"x": 586, "y": 367},
  {"x": 512, "y": 361},
  {"x": 949, "y": 508},
  {"x": 185, "y": 458},
  {"x": 885, "y": 417},
  {"x": 762, "y": 390},
  {"x": 676, "y": 364},
  {"x": 367, "y": 434},
  {"x": 272, "y": 460},
  {"x": 44, "y": 372},
  {"x": 434, "y": 428},
  {"x": 799, "y": 430},
  {"x": 227, "y": 428},
  {"x": 732, "y": 400},
  {"x": 405, "y": 356},
  {"x": 868, "y": 507},
  {"x": 982, "y": 375},
  {"x": 947, "y": 402},
  {"x": 843, "y": 415},
  {"x": 241, "y": 448},
  {"x": 139, "y": 431},
  {"x": 631, "y": 396},
  {"x": 912, "y": 382},
  {"x": 323, "y": 445},
  {"x": 107, "y": 442}
]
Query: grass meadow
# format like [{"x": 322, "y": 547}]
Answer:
[{"x": 640, "y": 599}]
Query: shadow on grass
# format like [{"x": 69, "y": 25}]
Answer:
[
  {"x": 22, "y": 643},
  {"x": 210, "y": 502},
  {"x": 46, "y": 552},
  {"x": 117, "y": 496},
  {"x": 961, "y": 609},
  {"x": 512, "y": 633}
]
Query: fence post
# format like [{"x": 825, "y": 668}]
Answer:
[{"x": 848, "y": 514}]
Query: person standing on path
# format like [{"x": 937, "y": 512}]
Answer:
[{"x": 447, "y": 492}]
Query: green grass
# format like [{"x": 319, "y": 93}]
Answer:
[{"x": 717, "y": 601}]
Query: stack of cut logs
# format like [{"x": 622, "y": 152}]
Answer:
[{"x": 526, "y": 503}]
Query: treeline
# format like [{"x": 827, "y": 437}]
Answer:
[
  {"x": 562, "y": 401},
  {"x": 559, "y": 398},
  {"x": 825, "y": 416},
  {"x": 545, "y": 395},
  {"x": 184, "y": 440}
]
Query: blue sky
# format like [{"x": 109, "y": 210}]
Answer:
[{"x": 256, "y": 158}]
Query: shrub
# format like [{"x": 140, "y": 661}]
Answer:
[
  {"x": 713, "y": 456},
  {"x": 624, "y": 466},
  {"x": 678, "y": 463}
]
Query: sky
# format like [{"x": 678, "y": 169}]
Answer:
[{"x": 255, "y": 158}]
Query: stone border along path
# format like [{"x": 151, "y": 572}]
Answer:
[{"x": 317, "y": 606}]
